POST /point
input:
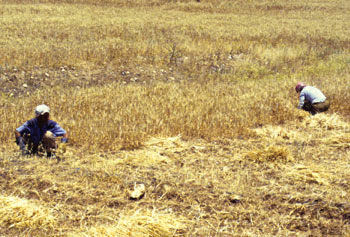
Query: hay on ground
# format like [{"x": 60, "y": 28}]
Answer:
[
  {"x": 326, "y": 121},
  {"x": 142, "y": 223},
  {"x": 270, "y": 154},
  {"x": 154, "y": 151},
  {"x": 166, "y": 143},
  {"x": 20, "y": 213},
  {"x": 341, "y": 141},
  {"x": 308, "y": 174},
  {"x": 142, "y": 157},
  {"x": 275, "y": 132}
]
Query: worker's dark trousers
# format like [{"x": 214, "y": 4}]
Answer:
[
  {"x": 48, "y": 143},
  {"x": 316, "y": 107}
]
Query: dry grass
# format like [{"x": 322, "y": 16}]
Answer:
[
  {"x": 269, "y": 154},
  {"x": 192, "y": 187},
  {"x": 195, "y": 101},
  {"x": 139, "y": 223},
  {"x": 24, "y": 214}
]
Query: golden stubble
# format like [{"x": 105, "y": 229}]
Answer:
[{"x": 193, "y": 100}]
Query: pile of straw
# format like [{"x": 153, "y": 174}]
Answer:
[
  {"x": 20, "y": 213},
  {"x": 325, "y": 121},
  {"x": 156, "y": 150},
  {"x": 166, "y": 143},
  {"x": 143, "y": 157},
  {"x": 141, "y": 223},
  {"x": 269, "y": 154},
  {"x": 275, "y": 132},
  {"x": 308, "y": 174},
  {"x": 339, "y": 140}
]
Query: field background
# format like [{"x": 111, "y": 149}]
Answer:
[{"x": 195, "y": 100}]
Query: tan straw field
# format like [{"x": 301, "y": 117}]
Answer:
[{"x": 181, "y": 117}]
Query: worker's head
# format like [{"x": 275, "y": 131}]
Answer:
[
  {"x": 42, "y": 113},
  {"x": 299, "y": 86}
]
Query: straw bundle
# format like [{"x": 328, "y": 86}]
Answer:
[
  {"x": 269, "y": 154},
  {"x": 20, "y": 213},
  {"x": 166, "y": 143},
  {"x": 139, "y": 224},
  {"x": 308, "y": 174},
  {"x": 326, "y": 121},
  {"x": 275, "y": 132},
  {"x": 154, "y": 151},
  {"x": 142, "y": 157},
  {"x": 341, "y": 140}
]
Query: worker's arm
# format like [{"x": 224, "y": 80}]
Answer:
[
  {"x": 56, "y": 129},
  {"x": 64, "y": 138},
  {"x": 301, "y": 100},
  {"x": 20, "y": 140}
]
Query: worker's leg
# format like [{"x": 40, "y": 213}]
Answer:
[
  {"x": 322, "y": 107},
  {"x": 31, "y": 147},
  {"x": 49, "y": 142},
  {"x": 308, "y": 107}
]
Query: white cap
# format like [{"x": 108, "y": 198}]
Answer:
[{"x": 41, "y": 109}]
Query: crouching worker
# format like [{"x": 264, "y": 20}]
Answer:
[
  {"x": 40, "y": 131},
  {"x": 311, "y": 99}
]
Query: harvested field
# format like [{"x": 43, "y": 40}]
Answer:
[
  {"x": 191, "y": 187},
  {"x": 181, "y": 116}
]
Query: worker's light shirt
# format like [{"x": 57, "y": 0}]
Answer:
[
  {"x": 310, "y": 94},
  {"x": 36, "y": 133}
]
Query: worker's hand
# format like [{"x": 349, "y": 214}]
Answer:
[
  {"x": 64, "y": 140},
  {"x": 20, "y": 143}
]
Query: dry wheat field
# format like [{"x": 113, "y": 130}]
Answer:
[{"x": 181, "y": 115}]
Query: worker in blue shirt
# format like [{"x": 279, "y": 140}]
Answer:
[
  {"x": 311, "y": 99},
  {"x": 40, "y": 130}
]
